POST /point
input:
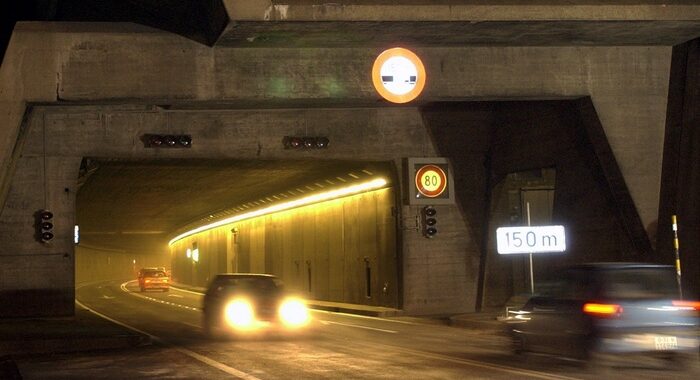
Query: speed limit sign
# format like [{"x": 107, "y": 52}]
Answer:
[{"x": 430, "y": 180}]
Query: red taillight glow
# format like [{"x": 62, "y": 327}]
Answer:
[
  {"x": 694, "y": 304},
  {"x": 603, "y": 310}
]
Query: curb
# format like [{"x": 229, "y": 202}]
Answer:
[{"x": 349, "y": 310}]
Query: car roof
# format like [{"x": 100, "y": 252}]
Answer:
[{"x": 245, "y": 275}]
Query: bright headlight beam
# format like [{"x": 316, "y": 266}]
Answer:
[
  {"x": 294, "y": 312},
  {"x": 239, "y": 314},
  {"x": 311, "y": 199}
]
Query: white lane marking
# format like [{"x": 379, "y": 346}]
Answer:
[
  {"x": 186, "y": 291},
  {"x": 211, "y": 362},
  {"x": 123, "y": 287},
  {"x": 175, "y": 295},
  {"x": 366, "y": 317},
  {"x": 192, "y": 325},
  {"x": 357, "y": 326}
]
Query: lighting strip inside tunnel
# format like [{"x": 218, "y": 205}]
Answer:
[{"x": 374, "y": 184}]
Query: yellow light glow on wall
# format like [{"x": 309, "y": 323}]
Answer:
[{"x": 311, "y": 199}]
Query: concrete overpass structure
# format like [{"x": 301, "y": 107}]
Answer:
[{"x": 594, "y": 102}]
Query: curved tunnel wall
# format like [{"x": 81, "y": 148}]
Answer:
[{"x": 340, "y": 250}]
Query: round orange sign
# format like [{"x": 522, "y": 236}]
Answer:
[
  {"x": 431, "y": 181},
  {"x": 398, "y": 75}
]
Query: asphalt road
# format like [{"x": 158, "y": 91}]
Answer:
[{"x": 339, "y": 346}]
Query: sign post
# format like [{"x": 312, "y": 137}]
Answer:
[
  {"x": 532, "y": 273},
  {"x": 530, "y": 239}
]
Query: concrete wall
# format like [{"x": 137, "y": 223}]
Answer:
[
  {"x": 122, "y": 63},
  {"x": 321, "y": 251},
  {"x": 97, "y": 264}
]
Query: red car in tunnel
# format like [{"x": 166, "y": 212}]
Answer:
[{"x": 153, "y": 278}]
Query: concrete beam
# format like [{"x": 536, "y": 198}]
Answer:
[{"x": 459, "y": 10}]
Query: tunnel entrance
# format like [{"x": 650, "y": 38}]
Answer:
[{"x": 341, "y": 247}]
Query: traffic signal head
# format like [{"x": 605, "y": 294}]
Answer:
[
  {"x": 44, "y": 225},
  {"x": 167, "y": 141},
  {"x": 429, "y": 221},
  {"x": 305, "y": 142}
]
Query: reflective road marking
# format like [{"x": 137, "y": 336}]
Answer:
[
  {"x": 358, "y": 326},
  {"x": 123, "y": 286}
]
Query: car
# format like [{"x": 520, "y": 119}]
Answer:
[
  {"x": 153, "y": 278},
  {"x": 250, "y": 303},
  {"x": 600, "y": 312}
]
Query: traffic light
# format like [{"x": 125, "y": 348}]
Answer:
[
  {"x": 429, "y": 221},
  {"x": 305, "y": 142},
  {"x": 167, "y": 141},
  {"x": 44, "y": 225}
]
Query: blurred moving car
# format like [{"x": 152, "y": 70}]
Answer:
[
  {"x": 591, "y": 310},
  {"x": 250, "y": 304},
  {"x": 153, "y": 278}
]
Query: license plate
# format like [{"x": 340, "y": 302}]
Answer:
[{"x": 665, "y": 342}]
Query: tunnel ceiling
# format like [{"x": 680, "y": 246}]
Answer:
[{"x": 135, "y": 205}]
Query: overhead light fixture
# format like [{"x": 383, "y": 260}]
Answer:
[{"x": 374, "y": 184}]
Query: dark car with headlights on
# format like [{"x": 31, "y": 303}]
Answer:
[
  {"x": 248, "y": 304},
  {"x": 599, "y": 312}
]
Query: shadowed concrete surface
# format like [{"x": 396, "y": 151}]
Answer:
[{"x": 83, "y": 332}]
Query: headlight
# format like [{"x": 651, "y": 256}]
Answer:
[
  {"x": 293, "y": 312},
  {"x": 239, "y": 314}
]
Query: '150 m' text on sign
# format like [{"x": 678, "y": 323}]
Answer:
[{"x": 532, "y": 239}]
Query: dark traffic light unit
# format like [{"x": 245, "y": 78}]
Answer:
[
  {"x": 167, "y": 141},
  {"x": 429, "y": 221},
  {"x": 305, "y": 142},
  {"x": 44, "y": 226}
]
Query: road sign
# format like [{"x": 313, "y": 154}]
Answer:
[
  {"x": 530, "y": 239},
  {"x": 431, "y": 180},
  {"x": 398, "y": 75}
]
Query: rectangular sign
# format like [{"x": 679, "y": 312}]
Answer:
[{"x": 530, "y": 239}]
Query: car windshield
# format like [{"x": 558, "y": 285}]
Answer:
[
  {"x": 640, "y": 283},
  {"x": 259, "y": 284},
  {"x": 153, "y": 273}
]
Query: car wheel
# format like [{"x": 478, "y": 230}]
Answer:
[
  {"x": 596, "y": 361},
  {"x": 679, "y": 361},
  {"x": 517, "y": 345},
  {"x": 207, "y": 328}
]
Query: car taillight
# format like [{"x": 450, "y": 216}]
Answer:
[
  {"x": 603, "y": 310},
  {"x": 148, "y": 280},
  {"x": 689, "y": 304}
]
